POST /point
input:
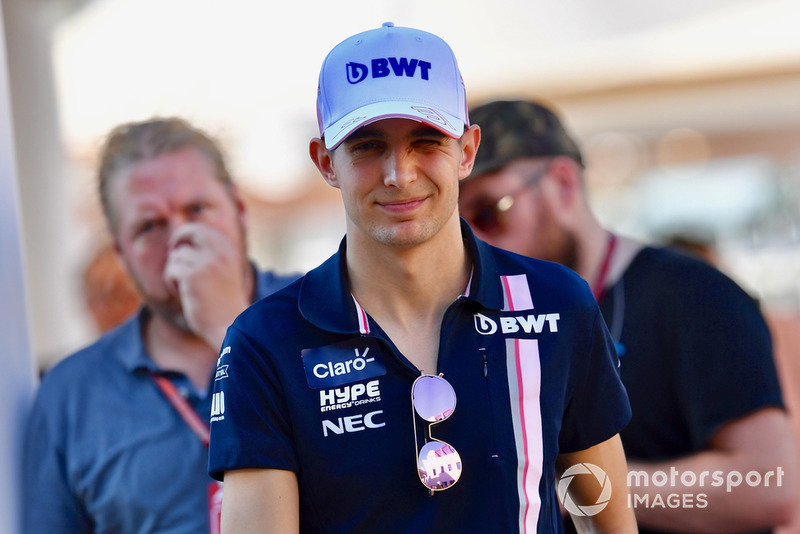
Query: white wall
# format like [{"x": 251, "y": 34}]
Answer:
[{"x": 17, "y": 382}]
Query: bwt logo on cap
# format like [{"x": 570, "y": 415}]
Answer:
[{"x": 384, "y": 66}]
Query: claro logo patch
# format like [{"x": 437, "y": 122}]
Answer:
[{"x": 343, "y": 363}]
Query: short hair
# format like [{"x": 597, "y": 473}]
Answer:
[{"x": 130, "y": 143}]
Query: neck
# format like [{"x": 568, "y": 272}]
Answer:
[
  {"x": 390, "y": 278},
  {"x": 597, "y": 264},
  {"x": 593, "y": 242},
  {"x": 408, "y": 289},
  {"x": 174, "y": 349}
]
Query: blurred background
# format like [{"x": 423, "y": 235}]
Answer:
[{"x": 688, "y": 112}]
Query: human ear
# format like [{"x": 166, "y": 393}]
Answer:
[
  {"x": 566, "y": 176},
  {"x": 241, "y": 208},
  {"x": 470, "y": 142},
  {"x": 323, "y": 159}
]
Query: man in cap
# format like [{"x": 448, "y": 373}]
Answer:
[
  {"x": 695, "y": 352},
  {"x": 340, "y": 391}
]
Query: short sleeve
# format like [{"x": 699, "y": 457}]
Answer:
[
  {"x": 249, "y": 419},
  {"x": 598, "y": 407},
  {"x": 726, "y": 368}
]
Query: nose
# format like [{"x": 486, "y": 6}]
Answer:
[
  {"x": 175, "y": 223},
  {"x": 176, "y": 220},
  {"x": 399, "y": 169}
]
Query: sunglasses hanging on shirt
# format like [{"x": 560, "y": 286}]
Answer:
[{"x": 438, "y": 463}]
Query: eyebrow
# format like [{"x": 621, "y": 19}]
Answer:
[
  {"x": 428, "y": 131},
  {"x": 363, "y": 133},
  {"x": 366, "y": 132}
]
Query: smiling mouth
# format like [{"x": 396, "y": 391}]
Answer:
[{"x": 402, "y": 204}]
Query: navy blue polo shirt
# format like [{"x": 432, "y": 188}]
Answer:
[
  {"x": 308, "y": 382},
  {"x": 105, "y": 452}
]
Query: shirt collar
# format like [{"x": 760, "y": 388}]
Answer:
[
  {"x": 325, "y": 299},
  {"x": 485, "y": 286},
  {"x": 126, "y": 344}
]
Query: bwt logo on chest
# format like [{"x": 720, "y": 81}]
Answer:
[
  {"x": 532, "y": 323},
  {"x": 386, "y": 66}
]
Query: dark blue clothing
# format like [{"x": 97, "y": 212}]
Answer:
[
  {"x": 308, "y": 382},
  {"x": 695, "y": 353},
  {"x": 106, "y": 453}
]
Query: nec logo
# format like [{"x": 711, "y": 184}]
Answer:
[
  {"x": 384, "y": 66},
  {"x": 353, "y": 423},
  {"x": 531, "y": 323}
]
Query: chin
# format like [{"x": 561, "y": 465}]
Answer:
[{"x": 172, "y": 314}]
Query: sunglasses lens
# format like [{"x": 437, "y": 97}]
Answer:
[
  {"x": 439, "y": 465},
  {"x": 433, "y": 397},
  {"x": 485, "y": 219}
]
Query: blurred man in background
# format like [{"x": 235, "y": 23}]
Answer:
[
  {"x": 117, "y": 441},
  {"x": 695, "y": 352}
]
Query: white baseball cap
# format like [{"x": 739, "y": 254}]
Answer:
[{"x": 390, "y": 72}]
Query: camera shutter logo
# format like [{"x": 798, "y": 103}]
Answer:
[{"x": 584, "y": 469}]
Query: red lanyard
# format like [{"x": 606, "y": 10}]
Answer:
[
  {"x": 184, "y": 409},
  {"x": 599, "y": 286}
]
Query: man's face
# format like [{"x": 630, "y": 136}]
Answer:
[
  {"x": 399, "y": 181},
  {"x": 154, "y": 198},
  {"x": 513, "y": 208}
]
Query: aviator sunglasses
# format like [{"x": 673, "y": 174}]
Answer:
[
  {"x": 438, "y": 463},
  {"x": 490, "y": 216}
]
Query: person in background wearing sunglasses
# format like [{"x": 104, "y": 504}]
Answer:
[
  {"x": 695, "y": 352},
  {"x": 419, "y": 380}
]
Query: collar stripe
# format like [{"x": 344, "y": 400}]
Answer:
[
  {"x": 516, "y": 293},
  {"x": 363, "y": 322}
]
